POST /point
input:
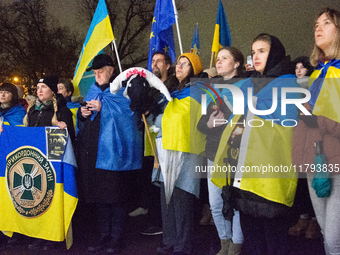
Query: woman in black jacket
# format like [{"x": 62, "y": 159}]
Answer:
[{"x": 50, "y": 108}]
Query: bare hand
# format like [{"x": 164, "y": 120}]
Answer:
[
  {"x": 94, "y": 105},
  {"x": 62, "y": 124},
  {"x": 1, "y": 129},
  {"x": 219, "y": 116}
]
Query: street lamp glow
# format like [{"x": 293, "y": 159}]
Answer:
[{"x": 15, "y": 79}]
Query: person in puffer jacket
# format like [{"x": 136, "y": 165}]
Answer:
[{"x": 323, "y": 126}]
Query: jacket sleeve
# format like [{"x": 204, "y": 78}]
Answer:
[
  {"x": 328, "y": 126},
  {"x": 64, "y": 114}
]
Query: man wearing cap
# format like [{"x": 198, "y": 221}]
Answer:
[{"x": 109, "y": 147}]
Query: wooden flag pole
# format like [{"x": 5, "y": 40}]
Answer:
[
  {"x": 212, "y": 59},
  {"x": 156, "y": 164}
]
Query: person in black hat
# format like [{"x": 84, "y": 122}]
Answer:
[
  {"x": 49, "y": 109},
  {"x": 109, "y": 147}
]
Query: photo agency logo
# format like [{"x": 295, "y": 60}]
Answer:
[{"x": 280, "y": 99}]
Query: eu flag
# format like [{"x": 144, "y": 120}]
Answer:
[
  {"x": 162, "y": 36},
  {"x": 222, "y": 36}
]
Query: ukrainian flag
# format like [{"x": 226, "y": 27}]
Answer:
[
  {"x": 38, "y": 193},
  {"x": 264, "y": 143},
  {"x": 325, "y": 90},
  {"x": 195, "y": 44},
  {"x": 179, "y": 122},
  {"x": 222, "y": 36},
  {"x": 98, "y": 37}
]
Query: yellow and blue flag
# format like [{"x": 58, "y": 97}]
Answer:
[
  {"x": 325, "y": 90},
  {"x": 222, "y": 36},
  {"x": 195, "y": 44},
  {"x": 98, "y": 37},
  {"x": 38, "y": 193},
  {"x": 162, "y": 35}
]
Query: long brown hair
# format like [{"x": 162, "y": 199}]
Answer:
[{"x": 334, "y": 51}]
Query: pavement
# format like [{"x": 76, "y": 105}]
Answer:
[{"x": 206, "y": 241}]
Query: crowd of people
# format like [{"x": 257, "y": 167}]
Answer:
[{"x": 250, "y": 210}]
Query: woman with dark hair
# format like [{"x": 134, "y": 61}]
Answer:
[
  {"x": 65, "y": 87},
  {"x": 229, "y": 65},
  {"x": 319, "y": 133},
  {"x": 178, "y": 157},
  {"x": 303, "y": 69},
  {"x": 258, "y": 139},
  {"x": 11, "y": 112}
]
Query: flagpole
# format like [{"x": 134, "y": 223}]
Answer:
[
  {"x": 177, "y": 26},
  {"x": 212, "y": 58},
  {"x": 117, "y": 56}
]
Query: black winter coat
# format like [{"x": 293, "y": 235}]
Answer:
[{"x": 43, "y": 117}]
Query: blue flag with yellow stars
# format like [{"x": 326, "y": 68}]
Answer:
[{"x": 162, "y": 35}]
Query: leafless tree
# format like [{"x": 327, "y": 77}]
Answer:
[
  {"x": 131, "y": 23},
  {"x": 32, "y": 44}
]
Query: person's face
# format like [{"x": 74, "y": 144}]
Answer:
[
  {"x": 225, "y": 64},
  {"x": 159, "y": 67},
  {"x": 260, "y": 52},
  {"x": 300, "y": 70},
  {"x": 62, "y": 90},
  {"x": 182, "y": 68},
  {"x": 5, "y": 97},
  {"x": 44, "y": 92},
  {"x": 325, "y": 32},
  {"x": 103, "y": 74}
]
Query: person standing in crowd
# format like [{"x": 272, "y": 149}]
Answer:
[
  {"x": 264, "y": 201},
  {"x": 306, "y": 224},
  {"x": 109, "y": 148},
  {"x": 161, "y": 64},
  {"x": 177, "y": 159},
  {"x": 11, "y": 112},
  {"x": 303, "y": 69},
  {"x": 229, "y": 65},
  {"x": 319, "y": 133},
  {"x": 48, "y": 110},
  {"x": 65, "y": 87}
]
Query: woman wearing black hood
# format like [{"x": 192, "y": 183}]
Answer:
[{"x": 256, "y": 148}]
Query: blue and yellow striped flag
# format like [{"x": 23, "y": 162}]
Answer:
[
  {"x": 222, "y": 36},
  {"x": 98, "y": 37},
  {"x": 195, "y": 44},
  {"x": 38, "y": 193}
]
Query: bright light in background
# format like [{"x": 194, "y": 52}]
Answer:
[{"x": 15, "y": 79}]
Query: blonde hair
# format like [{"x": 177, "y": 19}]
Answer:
[
  {"x": 55, "y": 107},
  {"x": 334, "y": 50}
]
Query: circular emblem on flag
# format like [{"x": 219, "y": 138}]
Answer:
[{"x": 30, "y": 180}]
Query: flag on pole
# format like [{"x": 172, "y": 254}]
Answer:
[
  {"x": 98, "y": 37},
  {"x": 38, "y": 193},
  {"x": 222, "y": 36},
  {"x": 195, "y": 45},
  {"x": 162, "y": 36}
]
